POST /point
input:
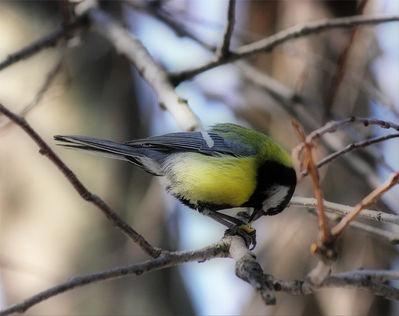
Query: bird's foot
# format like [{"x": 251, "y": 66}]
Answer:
[{"x": 246, "y": 232}]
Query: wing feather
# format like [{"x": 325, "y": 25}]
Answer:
[{"x": 213, "y": 145}]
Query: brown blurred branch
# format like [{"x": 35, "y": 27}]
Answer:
[
  {"x": 276, "y": 39},
  {"x": 341, "y": 66},
  {"x": 78, "y": 186},
  {"x": 156, "y": 76}
]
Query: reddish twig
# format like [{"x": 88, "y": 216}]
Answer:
[
  {"x": 78, "y": 186},
  {"x": 324, "y": 234},
  {"x": 338, "y": 229}
]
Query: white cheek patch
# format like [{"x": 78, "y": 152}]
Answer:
[{"x": 277, "y": 194}]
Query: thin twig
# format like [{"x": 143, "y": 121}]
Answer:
[
  {"x": 281, "y": 37},
  {"x": 43, "y": 42},
  {"x": 338, "y": 229},
  {"x": 166, "y": 260},
  {"x": 332, "y": 126},
  {"x": 340, "y": 210},
  {"x": 42, "y": 90},
  {"x": 224, "y": 50},
  {"x": 351, "y": 147},
  {"x": 78, "y": 186},
  {"x": 156, "y": 76}
]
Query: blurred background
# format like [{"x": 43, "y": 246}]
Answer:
[{"x": 49, "y": 234}]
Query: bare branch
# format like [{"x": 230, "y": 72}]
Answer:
[
  {"x": 166, "y": 260},
  {"x": 224, "y": 50},
  {"x": 78, "y": 186},
  {"x": 281, "y": 37},
  {"x": 370, "y": 280},
  {"x": 340, "y": 209},
  {"x": 387, "y": 235},
  {"x": 43, "y": 42},
  {"x": 42, "y": 90},
  {"x": 156, "y": 76}
]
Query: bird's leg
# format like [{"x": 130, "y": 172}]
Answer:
[
  {"x": 235, "y": 226},
  {"x": 249, "y": 235}
]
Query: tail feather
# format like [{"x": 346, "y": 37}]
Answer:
[{"x": 138, "y": 156}]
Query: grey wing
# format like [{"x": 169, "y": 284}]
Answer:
[{"x": 203, "y": 142}]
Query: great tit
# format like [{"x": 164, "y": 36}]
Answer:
[{"x": 227, "y": 167}]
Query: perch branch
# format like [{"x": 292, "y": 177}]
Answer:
[{"x": 165, "y": 260}]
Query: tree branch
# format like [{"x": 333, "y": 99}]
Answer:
[
  {"x": 78, "y": 186},
  {"x": 43, "y": 42},
  {"x": 166, "y": 260},
  {"x": 156, "y": 76},
  {"x": 249, "y": 270},
  {"x": 340, "y": 210},
  {"x": 324, "y": 234},
  {"x": 224, "y": 49},
  {"x": 281, "y": 37}
]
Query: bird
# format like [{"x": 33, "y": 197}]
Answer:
[{"x": 226, "y": 167}]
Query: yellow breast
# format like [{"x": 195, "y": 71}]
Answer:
[{"x": 218, "y": 180}]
